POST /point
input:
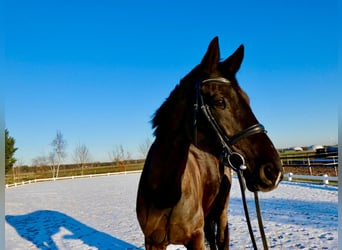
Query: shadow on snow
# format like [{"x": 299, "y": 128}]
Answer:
[{"x": 40, "y": 226}]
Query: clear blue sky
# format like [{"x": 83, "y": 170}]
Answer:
[{"x": 98, "y": 70}]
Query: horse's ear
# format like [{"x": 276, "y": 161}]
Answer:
[
  {"x": 233, "y": 62},
  {"x": 212, "y": 56}
]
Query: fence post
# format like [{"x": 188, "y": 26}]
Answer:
[
  {"x": 335, "y": 164},
  {"x": 325, "y": 179},
  {"x": 309, "y": 163}
]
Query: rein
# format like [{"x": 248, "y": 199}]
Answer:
[{"x": 228, "y": 157}]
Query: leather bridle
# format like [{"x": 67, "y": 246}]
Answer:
[
  {"x": 228, "y": 157},
  {"x": 225, "y": 140}
]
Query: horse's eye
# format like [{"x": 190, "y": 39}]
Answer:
[{"x": 220, "y": 103}]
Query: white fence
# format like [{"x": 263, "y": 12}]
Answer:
[
  {"x": 68, "y": 178},
  {"x": 325, "y": 179}
]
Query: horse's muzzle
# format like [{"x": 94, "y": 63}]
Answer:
[{"x": 269, "y": 177}]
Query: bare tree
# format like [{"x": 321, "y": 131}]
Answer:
[
  {"x": 40, "y": 161},
  {"x": 53, "y": 163},
  {"x": 44, "y": 161},
  {"x": 59, "y": 144},
  {"x": 16, "y": 169},
  {"x": 144, "y": 147},
  {"x": 118, "y": 156},
  {"x": 81, "y": 156}
]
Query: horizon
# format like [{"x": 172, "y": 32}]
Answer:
[{"x": 304, "y": 147}]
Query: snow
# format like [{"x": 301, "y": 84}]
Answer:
[{"x": 99, "y": 213}]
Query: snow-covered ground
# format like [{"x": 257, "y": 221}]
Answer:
[{"x": 99, "y": 213}]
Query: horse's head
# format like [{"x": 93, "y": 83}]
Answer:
[{"x": 221, "y": 115}]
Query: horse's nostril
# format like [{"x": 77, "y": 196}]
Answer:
[
  {"x": 266, "y": 174},
  {"x": 268, "y": 171}
]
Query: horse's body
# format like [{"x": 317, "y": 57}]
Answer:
[
  {"x": 182, "y": 222},
  {"x": 184, "y": 187}
]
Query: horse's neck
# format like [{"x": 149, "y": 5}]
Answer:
[
  {"x": 169, "y": 157},
  {"x": 164, "y": 168}
]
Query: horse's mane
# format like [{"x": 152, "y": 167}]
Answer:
[
  {"x": 166, "y": 113},
  {"x": 171, "y": 113}
]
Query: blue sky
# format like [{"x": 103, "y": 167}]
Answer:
[{"x": 98, "y": 70}]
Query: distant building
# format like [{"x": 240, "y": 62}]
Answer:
[
  {"x": 316, "y": 148},
  {"x": 298, "y": 149}
]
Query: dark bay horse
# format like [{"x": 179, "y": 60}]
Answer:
[{"x": 184, "y": 187}]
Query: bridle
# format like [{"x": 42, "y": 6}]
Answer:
[
  {"x": 228, "y": 157},
  {"x": 226, "y": 142}
]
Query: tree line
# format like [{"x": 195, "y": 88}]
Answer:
[{"x": 81, "y": 154}]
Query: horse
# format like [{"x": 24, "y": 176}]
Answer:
[{"x": 204, "y": 124}]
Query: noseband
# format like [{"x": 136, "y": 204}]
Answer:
[
  {"x": 228, "y": 157},
  {"x": 226, "y": 141}
]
